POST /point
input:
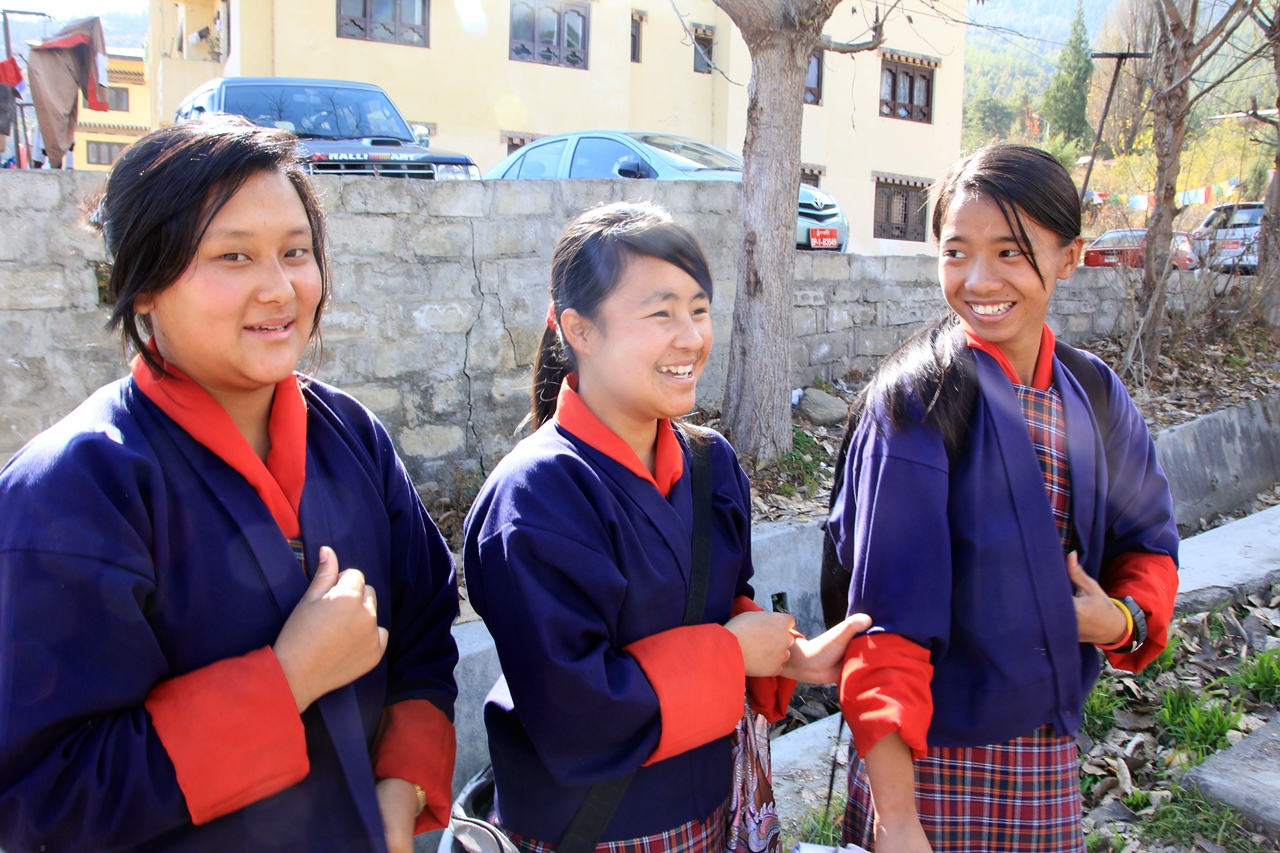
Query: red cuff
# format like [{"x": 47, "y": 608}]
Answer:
[
  {"x": 884, "y": 688},
  {"x": 1152, "y": 581},
  {"x": 698, "y": 675},
  {"x": 232, "y": 731},
  {"x": 768, "y": 695},
  {"x": 417, "y": 743}
]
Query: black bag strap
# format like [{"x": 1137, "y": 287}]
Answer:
[{"x": 603, "y": 799}]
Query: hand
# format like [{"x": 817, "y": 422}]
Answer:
[
  {"x": 905, "y": 836},
  {"x": 1099, "y": 619},
  {"x": 398, "y": 802},
  {"x": 332, "y": 636},
  {"x": 765, "y": 639},
  {"x": 818, "y": 661}
]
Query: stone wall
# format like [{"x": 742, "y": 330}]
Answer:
[{"x": 440, "y": 290}]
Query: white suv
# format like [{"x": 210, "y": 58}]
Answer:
[{"x": 1227, "y": 240}]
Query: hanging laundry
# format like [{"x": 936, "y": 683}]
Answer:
[
  {"x": 1137, "y": 202},
  {"x": 10, "y": 73},
  {"x": 71, "y": 62}
]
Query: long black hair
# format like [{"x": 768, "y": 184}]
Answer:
[
  {"x": 588, "y": 263},
  {"x": 163, "y": 192},
  {"x": 935, "y": 366}
]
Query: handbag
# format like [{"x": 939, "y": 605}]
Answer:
[
  {"x": 753, "y": 825},
  {"x": 469, "y": 828}
]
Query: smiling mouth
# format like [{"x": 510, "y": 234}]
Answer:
[
  {"x": 991, "y": 310},
  {"x": 277, "y": 328},
  {"x": 677, "y": 370}
]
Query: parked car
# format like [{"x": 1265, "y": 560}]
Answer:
[
  {"x": 1228, "y": 237},
  {"x": 343, "y": 128},
  {"x": 1125, "y": 247},
  {"x": 666, "y": 157}
]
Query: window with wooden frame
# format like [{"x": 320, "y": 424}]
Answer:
[
  {"x": 637, "y": 22},
  {"x": 811, "y": 174},
  {"x": 704, "y": 39},
  {"x": 104, "y": 153},
  {"x": 550, "y": 33},
  {"x": 901, "y": 210},
  {"x": 813, "y": 80},
  {"x": 394, "y": 21},
  {"x": 906, "y": 91},
  {"x": 117, "y": 99},
  {"x": 515, "y": 140}
]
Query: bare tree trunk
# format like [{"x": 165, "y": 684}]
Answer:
[
  {"x": 781, "y": 38},
  {"x": 1269, "y": 235},
  {"x": 757, "y": 411}
]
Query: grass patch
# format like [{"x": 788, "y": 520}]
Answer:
[
  {"x": 823, "y": 385},
  {"x": 800, "y": 468},
  {"x": 1164, "y": 662},
  {"x": 818, "y": 825},
  {"x": 1260, "y": 676},
  {"x": 1200, "y": 726},
  {"x": 1100, "y": 708},
  {"x": 1188, "y": 814}
]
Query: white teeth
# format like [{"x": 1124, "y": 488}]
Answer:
[
  {"x": 685, "y": 370},
  {"x": 991, "y": 310},
  {"x": 269, "y": 328}
]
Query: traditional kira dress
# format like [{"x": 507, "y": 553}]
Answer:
[
  {"x": 974, "y": 658},
  {"x": 578, "y": 559},
  {"x": 148, "y": 560}
]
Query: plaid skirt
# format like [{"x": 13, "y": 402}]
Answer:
[
  {"x": 1017, "y": 797},
  {"x": 697, "y": 836}
]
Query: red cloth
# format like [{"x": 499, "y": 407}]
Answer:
[
  {"x": 768, "y": 695},
  {"x": 279, "y": 483},
  {"x": 574, "y": 416},
  {"x": 884, "y": 688},
  {"x": 417, "y": 743},
  {"x": 698, "y": 675},
  {"x": 232, "y": 731},
  {"x": 1152, "y": 580},
  {"x": 10, "y": 73},
  {"x": 1043, "y": 375}
]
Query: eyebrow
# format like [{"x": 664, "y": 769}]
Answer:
[
  {"x": 245, "y": 232},
  {"x": 960, "y": 238},
  {"x": 664, "y": 295}
]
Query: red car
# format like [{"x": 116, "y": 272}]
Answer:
[{"x": 1124, "y": 248}]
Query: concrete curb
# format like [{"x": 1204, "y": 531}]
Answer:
[
  {"x": 1229, "y": 562},
  {"x": 1246, "y": 777}
]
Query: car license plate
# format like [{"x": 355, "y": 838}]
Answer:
[{"x": 824, "y": 238}]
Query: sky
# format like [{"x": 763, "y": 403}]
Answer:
[{"x": 64, "y": 9}]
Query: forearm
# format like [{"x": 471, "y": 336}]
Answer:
[{"x": 893, "y": 780}]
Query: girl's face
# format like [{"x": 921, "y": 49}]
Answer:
[
  {"x": 989, "y": 282},
  {"x": 643, "y": 353},
  {"x": 238, "y": 319}
]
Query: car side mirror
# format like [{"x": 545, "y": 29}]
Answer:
[
  {"x": 634, "y": 169},
  {"x": 422, "y": 135}
]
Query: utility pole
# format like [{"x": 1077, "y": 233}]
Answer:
[
  {"x": 20, "y": 107},
  {"x": 1106, "y": 108}
]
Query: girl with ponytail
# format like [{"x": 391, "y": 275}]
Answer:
[
  {"x": 1001, "y": 516},
  {"x": 624, "y": 675}
]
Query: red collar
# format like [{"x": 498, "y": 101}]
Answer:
[
  {"x": 574, "y": 417},
  {"x": 1043, "y": 376},
  {"x": 279, "y": 483}
]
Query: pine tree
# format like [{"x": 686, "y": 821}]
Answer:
[{"x": 1067, "y": 98}]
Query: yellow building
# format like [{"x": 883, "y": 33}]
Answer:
[
  {"x": 490, "y": 75},
  {"x": 100, "y": 137}
]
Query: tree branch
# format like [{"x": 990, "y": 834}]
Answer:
[
  {"x": 1208, "y": 52},
  {"x": 1256, "y": 116},
  {"x": 705, "y": 56},
  {"x": 1222, "y": 78},
  {"x": 877, "y": 35},
  {"x": 1212, "y": 35}
]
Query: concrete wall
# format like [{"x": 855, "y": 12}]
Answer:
[{"x": 440, "y": 291}]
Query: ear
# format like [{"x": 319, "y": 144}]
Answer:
[
  {"x": 1070, "y": 258},
  {"x": 144, "y": 303},
  {"x": 577, "y": 331}
]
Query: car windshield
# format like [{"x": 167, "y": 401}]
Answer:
[
  {"x": 1246, "y": 216},
  {"x": 1112, "y": 239},
  {"x": 689, "y": 155},
  {"x": 323, "y": 112}
]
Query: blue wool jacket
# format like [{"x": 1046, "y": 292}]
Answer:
[
  {"x": 130, "y": 554},
  {"x": 967, "y": 561},
  {"x": 569, "y": 558}
]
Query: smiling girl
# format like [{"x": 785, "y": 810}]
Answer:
[
  {"x": 186, "y": 664},
  {"x": 1001, "y": 517},
  {"x": 578, "y": 556}
]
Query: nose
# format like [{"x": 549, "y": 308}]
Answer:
[
  {"x": 275, "y": 284},
  {"x": 982, "y": 277},
  {"x": 688, "y": 334}
]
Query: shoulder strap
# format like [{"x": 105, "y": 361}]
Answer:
[
  {"x": 604, "y": 798},
  {"x": 1090, "y": 378}
]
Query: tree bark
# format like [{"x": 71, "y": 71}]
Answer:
[
  {"x": 1269, "y": 235},
  {"x": 757, "y": 410}
]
